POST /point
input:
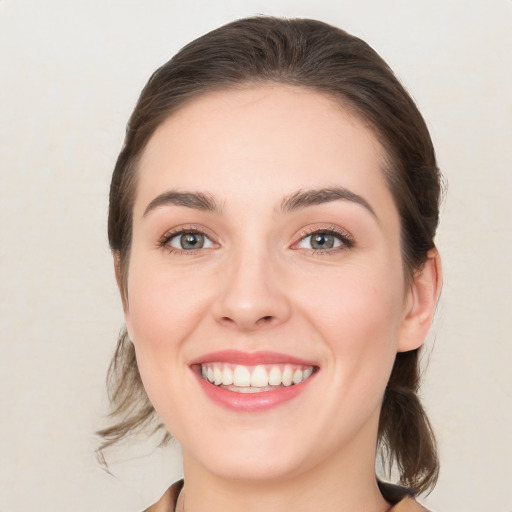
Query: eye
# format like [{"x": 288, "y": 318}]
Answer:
[
  {"x": 189, "y": 241},
  {"x": 324, "y": 240}
]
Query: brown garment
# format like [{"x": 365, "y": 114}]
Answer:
[{"x": 401, "y": 499}]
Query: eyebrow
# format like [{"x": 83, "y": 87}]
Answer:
[
  {"x": 196, "y": 200},
  {"x": 296, "y": 201},
  {"x": 305, "y": 198}
]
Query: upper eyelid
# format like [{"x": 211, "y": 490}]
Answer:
[
  {"x": 336, "y": 230},
  {"x": 187, "y": 228}
]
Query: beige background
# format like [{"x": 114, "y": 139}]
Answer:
[{"x": 70, "y": 73}]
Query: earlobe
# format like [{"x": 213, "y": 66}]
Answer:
[{"x": 421, "y": 303}]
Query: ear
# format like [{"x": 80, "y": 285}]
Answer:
[{"x": 421, "y": 303}]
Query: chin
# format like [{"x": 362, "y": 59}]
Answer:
[{"x": 251, "y": 458}]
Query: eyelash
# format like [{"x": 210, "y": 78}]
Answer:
[{"x": 347, "y": 241}]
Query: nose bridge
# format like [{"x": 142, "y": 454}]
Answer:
[{"x": 252, "y": 295}]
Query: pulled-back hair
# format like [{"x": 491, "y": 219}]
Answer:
[{"x": 325, "y": 59}]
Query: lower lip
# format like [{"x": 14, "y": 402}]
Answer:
[{"x": 252, "y": 402}]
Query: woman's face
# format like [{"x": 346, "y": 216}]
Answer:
[{"x": 266, "y": 258}]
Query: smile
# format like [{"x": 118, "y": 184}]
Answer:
[
  {"x": 254, "y": 379},
  {"x": 246, "y": 382}
]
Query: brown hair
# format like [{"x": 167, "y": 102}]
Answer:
[{"x": 312, "y": 54}]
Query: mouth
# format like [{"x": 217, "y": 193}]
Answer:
[
  {"x": 252, "y": 382},
  {"x": 254, "y": 379}
]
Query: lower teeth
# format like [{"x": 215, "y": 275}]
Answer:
[{"x": 249, "y": 389}]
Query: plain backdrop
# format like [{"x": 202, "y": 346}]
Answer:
[{"x": 70, "y": 74}]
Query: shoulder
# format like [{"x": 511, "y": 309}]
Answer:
[
  {"x": 402, "y": 499},
  {"x": 167, "y": 502}
]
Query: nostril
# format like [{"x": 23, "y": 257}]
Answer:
[{"x": 267, "y": 319}]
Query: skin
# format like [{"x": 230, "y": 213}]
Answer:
[{"x": 257, "y": 285}]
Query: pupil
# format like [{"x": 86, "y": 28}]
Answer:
[
  {"x": 192, "y": 241},
  {"x": 322, "y": 241}
]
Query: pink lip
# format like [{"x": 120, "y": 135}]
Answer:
[
  {"x": 250, "y": 358},
  {"x": 250, "y": 402}
]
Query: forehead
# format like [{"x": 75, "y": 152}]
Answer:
[{"x": 272, "y": 139}]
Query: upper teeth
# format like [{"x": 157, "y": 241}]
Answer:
[{"x": 255, "y": 376}]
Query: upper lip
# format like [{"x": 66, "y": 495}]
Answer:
[{"x": 250, "y": 358}]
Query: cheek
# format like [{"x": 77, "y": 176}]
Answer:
[
  {"x": 163, "y": 307},
  {"x": 357, "y": 312},
  {"x": 164, "y": 311}
]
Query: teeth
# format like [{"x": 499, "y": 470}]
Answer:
[
  {"x": 297, "y": 376},
  {"x": 275, "y": 376},
  {"x": 227, "y": 376},
  {"x": 260, "y": 376},
  {"x": 217, "y": 376},
  {"x": 242, "y": 377},
  {"x": 287, "y": 376}
]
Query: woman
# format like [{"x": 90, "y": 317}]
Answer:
[{"x": 272, "y": 219}]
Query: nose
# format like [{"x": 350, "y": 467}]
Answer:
[{"x": 252, "y": 295}]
